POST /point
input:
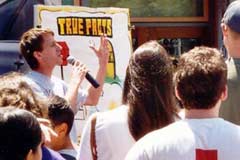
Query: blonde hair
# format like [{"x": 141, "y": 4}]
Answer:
[{"x": 15, "y": 91}]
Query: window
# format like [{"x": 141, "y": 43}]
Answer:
[{"x": 158, "y": 11}]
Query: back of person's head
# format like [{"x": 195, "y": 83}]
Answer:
[
  {"x": 201, "y": 78},
  {"x": 231, "y": 18},
  {"x": 31, "y": 41},
  {"x": 59, "y": 112},
  {"x": 150, "y": 89},
  {"x": 20, "y": 135},
  {"x": 11, "y": 79},
  {"x": 16, "y": 92}
]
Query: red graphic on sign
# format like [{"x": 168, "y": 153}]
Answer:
[
  {"x": 64, "y": 52},
  {"x": 206, "y": 154}
]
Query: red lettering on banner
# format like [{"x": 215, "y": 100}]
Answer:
[{"x": 206, "y": 154}]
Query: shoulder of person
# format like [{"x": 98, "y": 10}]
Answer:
[
  {"x": 118, "y": 113},
  {"x": 49, "y": 154}
]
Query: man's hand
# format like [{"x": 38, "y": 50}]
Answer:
[
  {"x": 102, "y": 52},
  {"x": 78, "y": 73}
]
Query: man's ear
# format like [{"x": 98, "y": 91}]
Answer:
[
  {"x": 61, "y": 129},
  {"x": 30, "y": 155},
  {"x": 37, "y": 55},
  {"x": 176, "y": 93},
  {"x": 224, "y": 94},
  {"x": 224, "y": 29}
]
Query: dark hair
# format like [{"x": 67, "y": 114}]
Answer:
[
  {"x": 126, "y": 87},
  {"x": 201, "y": 78},
  {"x": 150, "y": 94},
  {"x": 59, "y": 111},
  {"x": 20, "y": 132},
  {"x": 31, "y": 41},
  {"x": 14, "y": 91}
]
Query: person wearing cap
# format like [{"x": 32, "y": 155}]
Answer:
[
  {"x": 201, "y": 86},
  {"x": 230, "y": 25}
]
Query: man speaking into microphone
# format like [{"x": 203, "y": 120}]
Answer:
[{"x": 43, "y": 53}]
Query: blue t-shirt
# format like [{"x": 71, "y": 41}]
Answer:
[{"x": 48, "y": 154}]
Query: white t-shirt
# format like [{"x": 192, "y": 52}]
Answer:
[
  {"x": 113, "y": 138},
  {"x": 190, "y": 139}
]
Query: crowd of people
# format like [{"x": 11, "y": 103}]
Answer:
[{"x": 37, "y": 109}]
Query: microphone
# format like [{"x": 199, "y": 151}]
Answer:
[{"x": 71, "y": 60}]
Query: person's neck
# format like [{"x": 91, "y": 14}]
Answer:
[
  {"x": 68, "y": 144},
  {"x": 203, "y": 113},
  {"x": 234, "y": 50},
  {"x": 45, "y": 71}
]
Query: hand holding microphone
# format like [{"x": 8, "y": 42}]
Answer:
[{"x": 71, "y": 60}]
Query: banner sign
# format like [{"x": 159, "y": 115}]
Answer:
[{"x": 80, "y": 27}]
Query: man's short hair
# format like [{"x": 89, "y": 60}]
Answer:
[
  {"x": 59, "y": 112},
  {"x": 201, "y": 78},
  {"x": 31, "y": 41}
]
